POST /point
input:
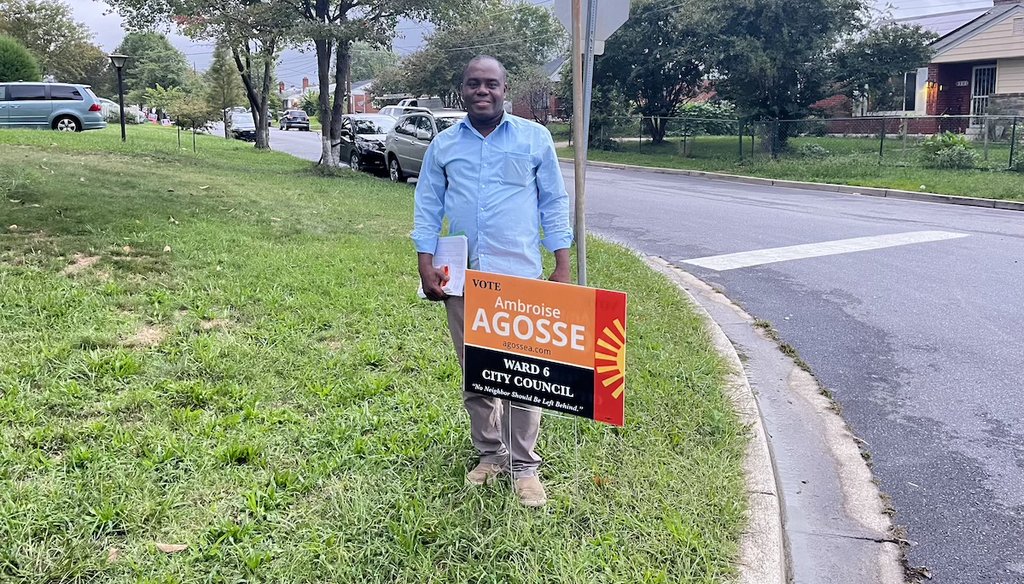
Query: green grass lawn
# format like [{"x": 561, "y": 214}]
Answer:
[
  {"x": 851, "y": 161},
  {"x": 224, "y": 351}
]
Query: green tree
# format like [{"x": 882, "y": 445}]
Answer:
[
  {"x": 254, "y": 32},
  {"x": 771, "y": 57},
  {"x": 224, "y": 85},
  {"x": 875, "y": 58},
  {"x": 161, "y": 97},
  {"x": 657, "y": 60},
  {"x": 193, "y": 112},
  {"x": 16, "y": 63},
  {"x": 311, "y": 103},
  {"x": 368, "y": 62},
  {"x": 49, "y": 31},
  {"x": 521, "y": 36},
  {"x": 154, "y": 61},
  {"x": 335, "y": 25}
]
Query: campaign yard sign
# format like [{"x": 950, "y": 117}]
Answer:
[{"x": 557, "y": 346}]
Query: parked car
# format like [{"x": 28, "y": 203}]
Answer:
[
  {"x": 66, "y": 107},
  {"x": 397, "y": 111},
  {"x": 407, "y": 142},
  {"x": 362, "y": 140},
  {"x": 295, "y": 119},
  {"x": 242, "y": 127}
]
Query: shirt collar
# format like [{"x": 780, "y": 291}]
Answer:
[{"x": 504, "y": 120}]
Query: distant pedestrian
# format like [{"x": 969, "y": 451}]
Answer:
[{"x": 496, "y": 178}]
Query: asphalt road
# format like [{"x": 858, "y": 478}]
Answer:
[{"x": 921, "y": 343}]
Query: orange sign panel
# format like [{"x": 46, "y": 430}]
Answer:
[{"x": 556, "y": 346}]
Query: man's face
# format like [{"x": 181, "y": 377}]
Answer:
[{"x": 483, "y": 89}]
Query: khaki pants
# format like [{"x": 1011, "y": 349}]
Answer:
[{"x": 498, "y": 426}]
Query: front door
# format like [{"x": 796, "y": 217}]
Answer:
[{"x": 983, "y": 84}]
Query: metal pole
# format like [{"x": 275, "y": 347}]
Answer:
[
  {"x": 881, "y": 142},
  {"x": 579, "y": 137},
  {"x": 120, "y": 100},
  {"x": 1013, "y": 141},
  {"x": 984, "y": 128},
  {"x": 741, "y": 141}
]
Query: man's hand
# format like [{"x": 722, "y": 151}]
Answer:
[
  {"x": 562, "y": 273},
  {"x": 432, "y": 279}
]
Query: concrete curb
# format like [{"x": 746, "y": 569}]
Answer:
[
  {"x": 794, "y": 184},
  {"x": 763, "y": 555}
]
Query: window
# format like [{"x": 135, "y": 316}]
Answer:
[
  {"x": 26, "y": 92},
  {"x": 65, "y": 93},
  {"x": 423, "y": 123},
  {"x": 3, "y": 92},
  {"x": 445, "y": 123},
  {"x": 407, "y": 126}
]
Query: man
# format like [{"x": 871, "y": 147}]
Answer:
[{"x": 496, "y": 177}]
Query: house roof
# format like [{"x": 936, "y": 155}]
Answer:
[
  {"x": 980, "y": 24},
  {"x": 553, "y": 69},
  {"x": 944, "y": 23}
]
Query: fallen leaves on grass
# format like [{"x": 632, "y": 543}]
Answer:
[
  {"x": 113, "y": 554},
  {"x": 171, "y": 548}
]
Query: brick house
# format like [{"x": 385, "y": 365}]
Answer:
[{"x": 978, "y": 68}]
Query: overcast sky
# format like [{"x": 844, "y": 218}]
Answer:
[{"x": 294, "y": 65}]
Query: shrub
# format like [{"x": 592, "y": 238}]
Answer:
[
  {"x": 813, "y": 151},
  {"x": 955, "y": 157},
  {"x": 311, "y": 103},
  {"x": 16, "y": 63},
  {"x": 934, "y": 144}
]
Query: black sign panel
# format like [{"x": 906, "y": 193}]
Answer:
[{"x": 529, "y": 381}]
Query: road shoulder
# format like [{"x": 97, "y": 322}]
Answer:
[{"x": 815, "y": 513}]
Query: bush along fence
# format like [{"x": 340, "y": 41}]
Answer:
[{"x": 954, "y": 142}]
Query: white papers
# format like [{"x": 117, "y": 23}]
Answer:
[{"x": 452, "y": 255}]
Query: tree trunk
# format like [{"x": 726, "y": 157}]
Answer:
[
  {"x": 255, "y": 103},
  {"x": 323, "y": 71},
  {"x": 262, "y": 116},
  {"x": 656, "y": 127},
  {"x": 227, "y": 130},
  {"x": 342, "y": 64}
]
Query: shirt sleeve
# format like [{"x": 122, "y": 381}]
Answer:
[
  {"x": 428, "y": 203},
  {"x": 553, "y": 201}
]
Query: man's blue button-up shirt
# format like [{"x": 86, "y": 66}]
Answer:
[{"x": 498, "y": 191}]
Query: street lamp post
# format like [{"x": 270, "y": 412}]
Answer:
[{"x": 118, "y": 62}]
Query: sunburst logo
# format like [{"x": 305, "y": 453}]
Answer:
[{"x": 615, "y": 345}]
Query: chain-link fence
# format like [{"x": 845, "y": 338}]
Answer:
[{"x": 957, "y": 142}]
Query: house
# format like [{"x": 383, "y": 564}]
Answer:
[
  {"x": 362, "y": 98},
  {"x": 542, "y": 104},
  {"x": 978, "y": 68}
]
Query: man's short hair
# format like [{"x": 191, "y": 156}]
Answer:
[{"x": 477, "y": 59}]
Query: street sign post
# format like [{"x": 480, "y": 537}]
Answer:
[{"x": 591, "y": 23}]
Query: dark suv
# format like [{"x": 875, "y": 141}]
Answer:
[{"x": 295, "y": 119}]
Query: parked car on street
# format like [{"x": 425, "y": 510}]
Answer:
[
  {"x": 362, "y": 141},
  {"x": 397, "y": 111},
  {"x": 66, "y": 107},
  {"x": 242, "y": 127},
  {"x": 295, "y": 119},
  {"x": 407, "y": 142}
]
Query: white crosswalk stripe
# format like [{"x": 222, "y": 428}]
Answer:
[{"x": 759, "y": 257}]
